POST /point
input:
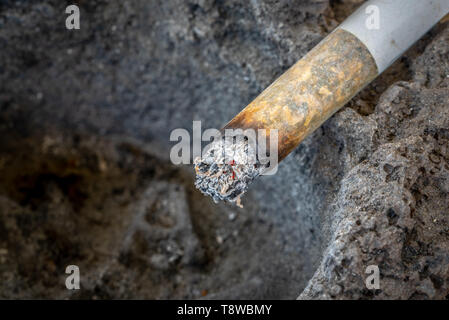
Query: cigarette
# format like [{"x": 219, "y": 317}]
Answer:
[{"x": 315, "y": 87}]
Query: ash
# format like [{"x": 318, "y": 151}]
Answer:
[{"x": 227, "y": 169}]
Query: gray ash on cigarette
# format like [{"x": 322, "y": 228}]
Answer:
[{"x": 227, "y": 168}]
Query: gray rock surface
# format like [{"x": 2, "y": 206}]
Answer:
[
  {"x": 85, "y": 118},
  {"x": 392, "y": 205}
]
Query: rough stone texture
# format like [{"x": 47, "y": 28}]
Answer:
[
  {"x": 393, "y": 203},
  {"x": 85, "y": 118}
]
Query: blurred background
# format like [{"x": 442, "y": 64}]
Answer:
[{"x": 86, "y": 180}]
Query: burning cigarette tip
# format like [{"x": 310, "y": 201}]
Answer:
[{"x": 227, "y": 169}]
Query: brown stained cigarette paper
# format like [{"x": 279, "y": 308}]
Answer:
[{"x": 308, "y": 93}]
